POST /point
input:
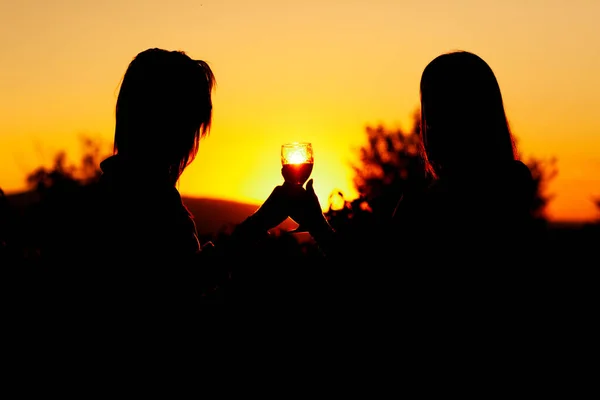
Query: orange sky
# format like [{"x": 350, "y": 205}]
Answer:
[{"x": 311, "y": 70}]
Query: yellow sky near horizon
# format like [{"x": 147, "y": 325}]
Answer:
[{"x": 316, "y": 71}]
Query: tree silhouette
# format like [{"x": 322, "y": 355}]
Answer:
[
  {"x": 59, "y": 176},
  {"x": 63, "y": 176},
  {"x": 542, "y": 171},
  {"x": 390, "y": 165},
  {"x": 60, "y": 189}
]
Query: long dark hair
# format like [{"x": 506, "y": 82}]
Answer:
[
  {"x": 463, "y": 121},
  {"x": 163, "y": 109}
]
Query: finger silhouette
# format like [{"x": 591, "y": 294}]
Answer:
[{"x": 309, "y": 187}]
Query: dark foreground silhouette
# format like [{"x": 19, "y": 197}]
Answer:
[
  {"x": 128, "y": 241},
  {"x": 284, "y": 270}
]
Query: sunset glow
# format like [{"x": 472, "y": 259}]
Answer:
[
  {"x": 297, "y": 158},
  {"x": 317, "y": 70},
  {"x": 296, "y": 153}
]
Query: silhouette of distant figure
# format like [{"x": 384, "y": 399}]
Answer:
[
  {"x": 11, "y": 251},
  {"x": 475, "y": 214},
  {"x": 133, "y": 226},
  {"x": 4, "y": 215}
]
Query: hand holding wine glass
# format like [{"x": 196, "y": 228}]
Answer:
[{"x": 296, "y": 164}]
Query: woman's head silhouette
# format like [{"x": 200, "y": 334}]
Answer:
[
  {"x": 463, "y": 119},
  {"x": 163, "y": 109}
]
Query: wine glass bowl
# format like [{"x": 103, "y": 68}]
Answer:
[
  {"x": 297, "y": 162},
  {"x": 296, "y": 166}
]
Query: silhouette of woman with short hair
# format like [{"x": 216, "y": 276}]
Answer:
[
  {"x": 163, "y": 109},
  {"x": 476, "y": 211},
  {"x": 139, "y": 227}
]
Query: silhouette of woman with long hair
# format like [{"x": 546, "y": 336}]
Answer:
[
  {"x": 476, "y": 211},
  {"x": 480, "y": 188},
  {"x": 139, "y": 227}
]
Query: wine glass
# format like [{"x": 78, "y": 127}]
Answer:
[{"x": 297, "y": 164}]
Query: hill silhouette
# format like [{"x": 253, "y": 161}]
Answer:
[
  {"x": 214, "y": 215},
  {"x": 210, "y": 215}
]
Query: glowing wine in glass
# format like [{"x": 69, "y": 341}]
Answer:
[{"x": 297, "y": 164}]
